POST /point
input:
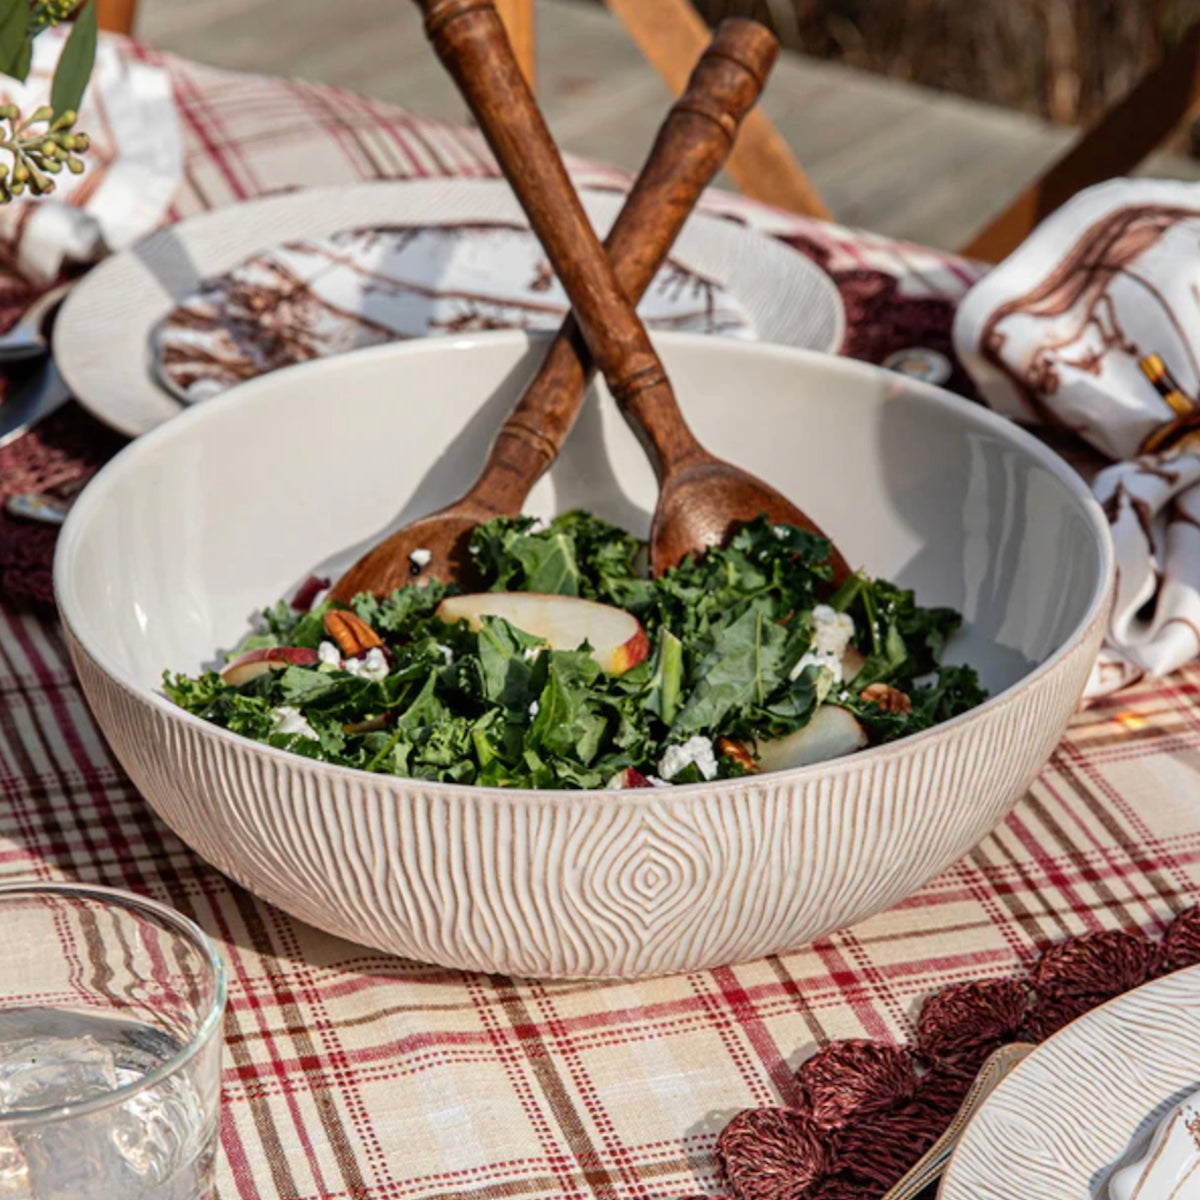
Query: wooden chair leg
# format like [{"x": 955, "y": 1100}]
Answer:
[
  {"x": 1128, "y": 132},
  {"x": 672, "y": 36},
  {"x": 517, "y": 16},
  {"x": 116, "y": 15}
]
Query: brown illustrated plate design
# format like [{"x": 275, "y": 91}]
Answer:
[
  {"x": 321, "y": 296},
  {"x": 105, "y": 342}
]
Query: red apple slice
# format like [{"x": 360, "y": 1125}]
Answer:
[
  {"x": 616, "y": 637},
  {"x": 831, "y": 733},
  {"x": 271, "y": 658},
  {"x": 630, "y": 777},
  {"x": 307, "y": 592}
]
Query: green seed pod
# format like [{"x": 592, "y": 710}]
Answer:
[
  {"x": 75, "y": 165},
  {"x": 21, "y": 172},
  {"x": 82, "y": 142},
  {"x": 42, "y": 114}
]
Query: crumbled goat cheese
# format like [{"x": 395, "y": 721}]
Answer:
[
  {"x": 530, "y": 653},
  {"x": 447, "y": 653},
  {"x": 291, "y": 720},
  {"x": 832, "y": 634},
  {"x": 420, "y": 557},
  {"x": 533, "y": 708},
  {"x": 656, "y": 782},
  {"x": 698, "y": 750},
  {"x": 833, "y": 631},
  {"x": 329, "y": 655},
  {"x": 373, "y": 665}
]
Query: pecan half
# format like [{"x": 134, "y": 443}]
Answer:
[
  {"x": 732, "y": 749},
  {"x": 352, "y": 634},
  {"x": 888, "y": 698}
]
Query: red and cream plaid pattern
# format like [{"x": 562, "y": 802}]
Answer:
[{"x": 352, "y": 1074}]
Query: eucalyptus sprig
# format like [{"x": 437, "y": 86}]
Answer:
[
  {"x": 45, "y": 141},
  {"x": 51, "y": 12},
  {"x": 41, "y": 145}
]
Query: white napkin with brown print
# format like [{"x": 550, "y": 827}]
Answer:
[{"x": 1093, "y": 325}]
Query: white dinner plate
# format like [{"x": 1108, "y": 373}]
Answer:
[
  {"x": 103, "y": 336},
  {"x": 1085, "y": 1101}
]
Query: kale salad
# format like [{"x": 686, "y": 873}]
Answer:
[{"x": 569, "y": 668}]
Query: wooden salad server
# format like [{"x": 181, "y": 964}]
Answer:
[
  {"x": 692, "y": 143},
  {"x": 702, "y": 499}
]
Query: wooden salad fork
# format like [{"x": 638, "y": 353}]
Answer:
[
  {"x": 692, "y": 143},
  {"x": 702, "y": 498}
]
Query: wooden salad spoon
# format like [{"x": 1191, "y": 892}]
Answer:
[
  {"x": 702, "y": 499},
  {"x": 691, "y": 145}
]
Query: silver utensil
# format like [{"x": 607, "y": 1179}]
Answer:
[
  {"x": 46, "y": 508},
  {"x": 27, "y": 338},
  {"x": 30, "y": 400},
  {"x": 929, "y": 1167}
]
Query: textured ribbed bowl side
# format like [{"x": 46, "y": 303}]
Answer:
[{"x": 625, "y": 884}]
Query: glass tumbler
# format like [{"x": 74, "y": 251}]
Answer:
[{"x": 110, "y": 1047}]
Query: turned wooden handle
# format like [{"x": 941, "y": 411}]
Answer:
[
  {"x": 692, "y": 143},
  {"x": 470, "y": 40}
]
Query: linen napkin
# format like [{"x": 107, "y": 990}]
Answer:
[
  {"x": 133, "y": 167},
  {"x": 1092, "y": 326}
]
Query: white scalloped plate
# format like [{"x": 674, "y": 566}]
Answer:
[
  {"x": 1084, "y": 1101},
  {"x": 102, "y": 340}
]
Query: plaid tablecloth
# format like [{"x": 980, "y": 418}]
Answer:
[{"x": 352, "y": 1074}]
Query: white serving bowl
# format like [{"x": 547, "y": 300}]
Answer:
[{"x": 199, "y": 524}]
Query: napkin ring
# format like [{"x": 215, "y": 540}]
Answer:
[{"x": 1182, "y": 431}]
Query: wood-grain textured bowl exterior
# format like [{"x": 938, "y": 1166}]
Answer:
[{"x": 194, "y": 527}]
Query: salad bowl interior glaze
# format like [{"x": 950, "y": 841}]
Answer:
[{"x": 195, "y": 527}]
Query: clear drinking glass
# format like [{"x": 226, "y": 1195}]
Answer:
[{"x": 110, "y": 1047}]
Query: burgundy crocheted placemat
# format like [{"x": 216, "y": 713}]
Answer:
[
  {"x": 863, "y": 1112},
  {"x": 56, "y": 458}
]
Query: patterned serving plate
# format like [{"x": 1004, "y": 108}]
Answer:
[
  {"x": 317, "y": 297},
  {"x": 1086, "y": 1101},
  {"x": 105, "y": 335}
]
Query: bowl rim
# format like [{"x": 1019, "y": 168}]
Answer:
[{"x": 91, "y": 498}]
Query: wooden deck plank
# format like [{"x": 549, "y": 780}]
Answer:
[{"x": 885, "y": 155}]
